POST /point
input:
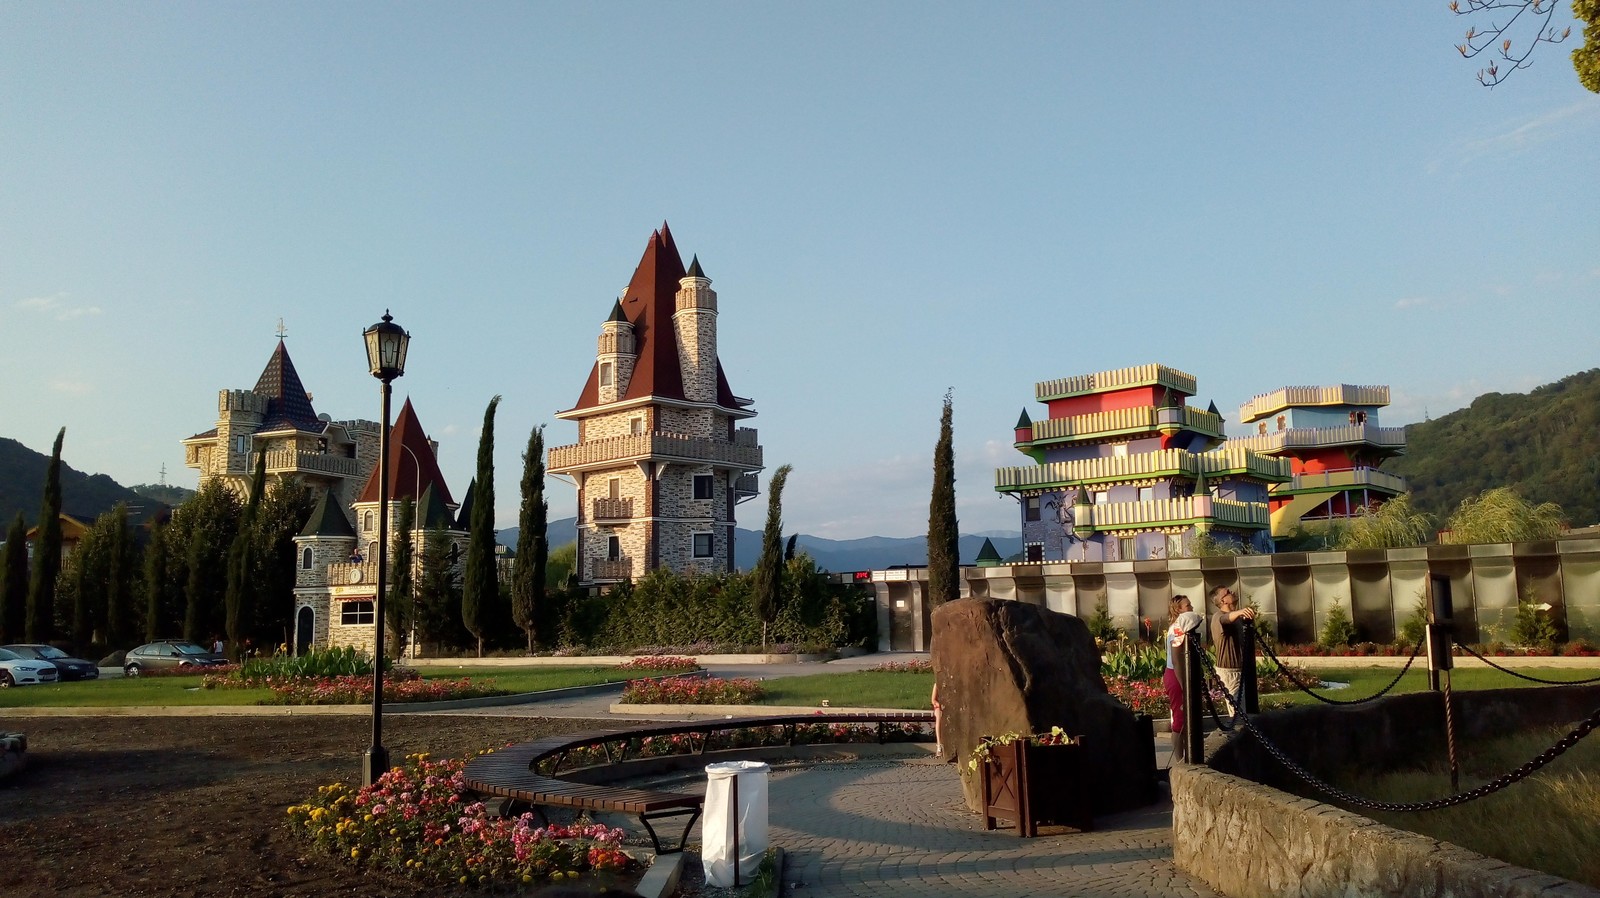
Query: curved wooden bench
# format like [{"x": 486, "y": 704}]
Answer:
[{"x": 525, "y": 773}]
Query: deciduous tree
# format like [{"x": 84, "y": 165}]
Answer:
[{"x": 1509, "y": 33}]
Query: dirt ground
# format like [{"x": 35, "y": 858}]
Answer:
[{"x": 194, "y": 806}]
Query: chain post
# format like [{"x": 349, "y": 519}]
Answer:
[{"x": 1440, "y": 614}]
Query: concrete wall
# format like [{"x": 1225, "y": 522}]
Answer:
[{"x": 1378, "y": 588}]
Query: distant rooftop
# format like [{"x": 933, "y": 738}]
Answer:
[{"x": 1120, "y": 379}]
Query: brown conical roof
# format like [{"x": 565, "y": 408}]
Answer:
[
  {"x": 412, "y": 465},
  {"x": 288, "y": 403}
]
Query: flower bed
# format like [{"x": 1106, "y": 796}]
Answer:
[
  {"x": 916, "y": 666},
  {"x": 399, "y": 686},
  {"x": 659, "y": 664},
  {"x": 692, "y": 691},
  {"x": 193, "y": 670},
  {"x": 752, "y": 737},
  {"x": 416, "y": 821}
]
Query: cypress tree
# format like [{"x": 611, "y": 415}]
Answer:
[
  {"x": 944, "y": 540},
  {"x": 119, "y": 574},
  {"x": 157, "y": 591},
  {"x": 769, "y": 570},
  {"x": 438, "y": 599},
  {"x": 212, "y": 524},
  {"x": 41, "y": 621},
  {"x": 533, "y": 545},
  {"x": 397, "y": 605},
  {"x": 284, "y": 510},
  {"x": 239, "y": 598},
  {"x": 14, "y": 582},
  {"x": 481, "y": 587}
]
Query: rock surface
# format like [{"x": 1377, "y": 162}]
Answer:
[{"x": 1010, "y": 667}]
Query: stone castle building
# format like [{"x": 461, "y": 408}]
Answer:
[
  {"x": 336, "y": 552},
  {"x": 660, "y": 462}
]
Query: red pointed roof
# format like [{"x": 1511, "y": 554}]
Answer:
[
  {"x": 412, "y": 465},
  {"x": 648, "y": 304}
]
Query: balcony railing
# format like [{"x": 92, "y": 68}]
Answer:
[
  {"x": 613, "y": 509},
  {"x": 746, "y": 485},
  {"x": 1164, "y": 512},
  {"x": 1138, "y": 376},
  {"x": 1326, "y": 481},
  {"x": 1120, "y": 421},
  {"x": 611, "y": 569},
  {"x": 1319, "y": 437},
  {"x": 662, "y": 446},
  {"x": 1264, "y": 404},
  {"x": 344, "y": 573},
  {"x": 1142, "y": 466},
  {"x": 293, "y": 461}
]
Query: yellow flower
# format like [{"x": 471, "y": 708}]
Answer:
[{"x": 355, "y": 852}]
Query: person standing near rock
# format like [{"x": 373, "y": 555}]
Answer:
[
  {"x": 1182, "y": 623},
  {"x": 1225, "y": 627}
]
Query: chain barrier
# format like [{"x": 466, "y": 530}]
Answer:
[
  {"x": 1288, "y": 672},
  {"x": 1566, "y": 742},
  {"x": 1521, "y": 676},
  {"x": 1236, "y": 701}
]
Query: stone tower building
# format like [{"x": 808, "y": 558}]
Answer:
[{"x": 660, "y": 461}]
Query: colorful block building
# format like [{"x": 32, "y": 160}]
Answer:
[
  {"x": 1331, "y": 438},
  {"x": 1125, "y": 470}
]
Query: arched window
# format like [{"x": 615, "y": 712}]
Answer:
[
  {"x": 367, "y": 520},
  {"x": 305, "y": 558}
]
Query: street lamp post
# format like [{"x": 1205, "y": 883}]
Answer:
[{"x": 386, "y": 357}]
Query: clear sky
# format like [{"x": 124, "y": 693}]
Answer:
[{"x": 892, "y": 199}]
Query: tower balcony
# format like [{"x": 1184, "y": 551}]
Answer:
[
  {"x": 612, "y": 510},
  {"x": 660, "y": 447},
  {"x": 746, "y": 486},
  {"x": 1124, "y": 422},
  {"x": 1265, "y": 404},
  {"x": 1143, "y": 466},
  {"x": 1154, "y": 513},
  {"x": 610, "y": 570},
  {"x": 1339, "y": 481},
  {"x": 1390, "y": 439},
  {"x": 284, "y": 462},
  {"x": 1120, "y": 379}
]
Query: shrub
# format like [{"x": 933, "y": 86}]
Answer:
[
  {"x": 1101, "y": 626},
  {"x": 417, "y": 820},
  {"x": 1132, "y": 660},
  {"x": 1415, "y": 627},
  {"x": 1533, "y": 627},
  {"x": 1338, "y": 630},
  {"x": 920, "y": 665}
]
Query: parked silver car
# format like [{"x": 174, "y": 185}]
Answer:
[
  {"x": 168, "y": 655},
  {"x": 16, "y": 670},
  {"x": 68, "y": 667}
]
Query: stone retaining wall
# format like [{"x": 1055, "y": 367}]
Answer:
[{"x": 1245, "y": 838}]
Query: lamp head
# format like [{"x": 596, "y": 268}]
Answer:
[{"x": 386, "y": 348}]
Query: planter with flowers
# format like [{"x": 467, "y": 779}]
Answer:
[{"x": 1034, "y": 779}]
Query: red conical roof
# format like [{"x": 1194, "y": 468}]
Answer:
[{"x": 412, "y": 465}]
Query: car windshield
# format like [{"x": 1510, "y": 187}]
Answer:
[
  {"x": 186, "y": 648},
  {"x": 49, "y": 651},
  {"x": 6, "y": 655}
]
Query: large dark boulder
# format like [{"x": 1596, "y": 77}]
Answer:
[{"x": 1010, "y": 667}]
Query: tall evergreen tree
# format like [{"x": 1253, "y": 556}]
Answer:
[
  {"x": 769, "y": 570},
  {"x": 397, "y": 606},
  {"x": 480, "y": 589},
  {"x": 208, "y": 526},
  {"x": 533, "y": 545},
  {"x": 284, "y": 510},
  {"x": 240, "y": 597},
  {"x": 41, "y": 621},
  {"x": 159, "y": 596},
  {"x": 438, "y": 599},
  {"x": 14, "y": 583},
  {"x": 119, "y": 580},
  {"x": 944, "y": 540}
]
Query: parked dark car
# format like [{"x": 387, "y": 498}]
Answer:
[
  {"x": 168, "y": 655},
  {"x": 16, "y": 670},
  {"x": 68, "y": 667}
]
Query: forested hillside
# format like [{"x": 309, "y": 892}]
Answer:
[
  {"x": 22, "y": 485},
  {"x": 1542, "y": 444}
]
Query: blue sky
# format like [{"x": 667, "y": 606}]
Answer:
[{"x": 892, "y": 199}]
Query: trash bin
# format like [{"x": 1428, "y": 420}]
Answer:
[{"x": 735, "y": 821}]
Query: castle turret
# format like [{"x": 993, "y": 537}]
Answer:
[
  {"x": 616, "y": 356},
  {"x": 239, "y": 416},
  {"x": 695, "y": 324}
]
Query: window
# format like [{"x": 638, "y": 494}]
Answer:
[
  {"x": 305, "y": 559},
  {"x": 242, "y": 443},
  {"x": 1125, "y": 549},
  {"x": 1146, "y": 493},
  {"x": 614, "y": 488},
  {"x": 1036, "y": 552},
  {"x": 367, "y": 521},
  {"x": 1119, "y": 450},
  {"x": 605, "y": 374},
  {"x": 1283, "y": 421},
  {"x": 354, "y": 614},
  {"x": 702, "y": 545},
  {"x": 1261, "y": 428},
  {"x": 1030, "y": 508},
  {"x": 636, "y": 426},
  {"x": 1174, "y": 545},
  {"x": 613, "y": 549},
  {"x": 702, "y": 486},
  {"x": 1101, "y": 497}
]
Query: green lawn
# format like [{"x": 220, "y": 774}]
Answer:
[
  {"x": 1365, "y": 681},
  {"x": 862, "y": 689},
  {"x": 156, "y": 691}
]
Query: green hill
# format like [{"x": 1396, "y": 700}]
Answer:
[
  {"x": 22, "y": 486},
  {"x": 1542, "y": 444}
]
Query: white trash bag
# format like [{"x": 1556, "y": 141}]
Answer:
[{"x": 727, "y": 814}]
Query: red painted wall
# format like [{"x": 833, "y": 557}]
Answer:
[{"x": 1135, "y": 397}]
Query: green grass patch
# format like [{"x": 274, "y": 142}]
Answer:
[
  {"x": 1366, "y": 681},
  {"x": 123, "y": 692},
  {"x": 860, "y": 689},
  {"x": 1549, "y": 821}
]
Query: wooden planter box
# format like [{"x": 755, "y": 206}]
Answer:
[{"x": 1033, "y": 784}]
